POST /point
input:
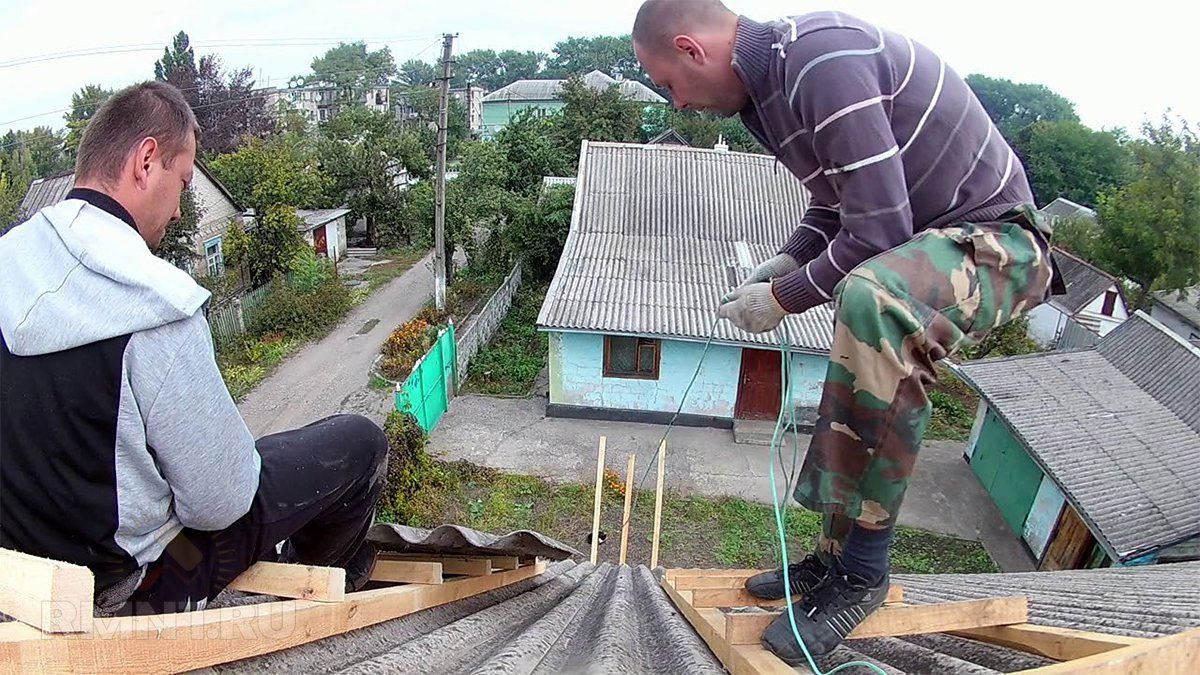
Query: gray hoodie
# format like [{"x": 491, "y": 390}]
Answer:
[{"x": 116, "y": 429}]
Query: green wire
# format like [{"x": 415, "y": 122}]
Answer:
[{"x": 787, "y": 408}]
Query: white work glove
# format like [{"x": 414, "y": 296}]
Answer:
[
  {"x": 753, "y": 308},
  {"x": 772, "y": 268}
]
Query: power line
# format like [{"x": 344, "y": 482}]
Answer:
[
  {"x": 232, "y": 42},
  {"x": 187, "y": 89},
  {"x": 268, "y": 92}
]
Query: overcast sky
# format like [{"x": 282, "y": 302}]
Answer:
[{"x": 1117, "y": 65}]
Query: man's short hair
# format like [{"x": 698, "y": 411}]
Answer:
[
  {"x": 150, "y": 109},
  {"x": 660, "y": 20}
]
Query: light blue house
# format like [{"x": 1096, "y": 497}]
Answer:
[
  {"x": 658, "y": 235},
  {"x": 1093, "y": 455}
]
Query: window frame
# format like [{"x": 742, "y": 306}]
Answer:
[
  {"x": 219, "y": 248},
  {"x": 642, "y": 343}
]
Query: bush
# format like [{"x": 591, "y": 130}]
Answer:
[
  {"x": 294, "y": 313},
  {"x": 308, "y": 272},
  {"x": 405, "y": 346},
  {"x": 409, "y": 466},
  {"x": 1009, "y": 339}
]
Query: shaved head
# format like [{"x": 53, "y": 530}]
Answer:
[
  {"x": 659, "y": 21},
  {"x": 686, "y": 46}
]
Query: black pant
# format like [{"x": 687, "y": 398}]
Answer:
[{"x": 317, "y": 490}]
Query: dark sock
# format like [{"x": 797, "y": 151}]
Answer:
[{"x": 865, "y": 552}]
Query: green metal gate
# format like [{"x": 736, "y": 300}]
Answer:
[
  {"x": 426, "y": 392},
  {"x": 1006, "y": 470}
]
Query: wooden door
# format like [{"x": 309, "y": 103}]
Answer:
[
  {"x": 319, "y": 242},
  {"x": 1071, "y": 544},
  {"x": 759, "y": 390}
]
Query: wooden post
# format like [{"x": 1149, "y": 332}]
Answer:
[
  {"x": 628, "y": 501},
  {"x": 596, "y": 506},
  {"x": 304, "y": 582},
  {"x": 658, "y": 490}
]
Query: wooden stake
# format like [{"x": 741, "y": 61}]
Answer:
[
  {"x": 303, "y": 582},
  {"x": 596, "y": 506},
  {"x": 628, "y": 502},
  {"x": 466, "y": 565},
  {"x": 658, "y": 492},
  {"x": 746, "y": 628},
  {"x": 1060, "y": 644},
  {"x": 194, "y": 640},
  {"x": 51, "y": 595},
  {"x": 407, "y": 572}
]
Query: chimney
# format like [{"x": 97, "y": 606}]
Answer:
[{"x": 721, "y": 146}]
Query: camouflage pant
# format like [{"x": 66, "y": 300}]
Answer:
[{"x": 896, "y": 315}]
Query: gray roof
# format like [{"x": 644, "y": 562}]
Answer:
[
  {"x": 1115, "y": 426},
  {"x": 459, "y": 540},
  {"x": 1065, "y": 208},
  {"x": 1085, "y": 282},
  {"x": 549, "y": 90},
  {"x": 314, "y": 218},
  {"x": 669, "y": 137},
  {"x": 554, "y": 181},
  {"x": 44, "y": 192},
  {"x": 583, "y": 618},
  {"x": 1185, "y": 302},
  {"x": 651, "y": 249}
]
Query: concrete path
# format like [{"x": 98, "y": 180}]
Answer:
[
  {"x": 331, "y": 375},
  {"x": 515, "y": 435}
]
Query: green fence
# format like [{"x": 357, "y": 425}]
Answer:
[{"x": 426, "y": 393}]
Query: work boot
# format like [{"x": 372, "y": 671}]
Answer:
[
  {"x": 360, "y": 567},
  {"x": 825, "y": 616},
  {"x": 803, "y": 576}
]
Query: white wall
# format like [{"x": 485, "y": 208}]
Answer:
[
  {"x": 215, "y": 211},
  {"x": 1091, "y": 316},
  {"x": 1043, "y": 516},
  {"x": 1045, "y": 323},
  {"x": 1173, "y": 323}
]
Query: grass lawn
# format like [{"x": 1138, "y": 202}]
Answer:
[
  {"x": 696, "y": 531},
  {"x": 954, "y": 405},
  {"x": 510, "y": 363}
]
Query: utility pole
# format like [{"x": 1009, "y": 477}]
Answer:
[{"x": 439, "y": 203}]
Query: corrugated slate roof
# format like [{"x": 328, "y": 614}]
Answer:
[
  {"x": 1184, "y": 302},
  {"x": 549, "y": 90},
  {"x": 1126, "y": 459},
  {"x": 616, "y": 619},
  {"x": 314, "y": 218},
  {"x": 652, "y": 243},
  {"x": 1163, "y": 364},
  {"x": 459, "y": 540},
  {"x": 44, "y": 192},
  {"x": 1084, "y": 281},
  {"x": 1065, "y": 208}
]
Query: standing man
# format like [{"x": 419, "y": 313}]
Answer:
[
  {"x": 921, "y": 229},
  {"x": 120, "y": 447}
]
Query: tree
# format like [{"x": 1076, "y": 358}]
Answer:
[
  {"x": 607, "y": 53},
  {"x": 596, "y": 116},
  {"x": 1014, "y": 106},
  {"x": 529, "y": 146},
  {"x": 34, "y": 153},
  {"x": 351, "y": 68},
  {"x": 84, "y": 104},
  {"x": 415, "y": 73},
  {"x": 274, "y": 177},
  {"x": 1067, "y": 159},
  {"x": 540, "y": 233},
  {"x": 364, "y": 152},
  {"x": 703, "y": 130},
  {"x": 1148, "y": 227},
  {"x": 12, "y": 191},
  {"x": 223, "y": 102},
  {"x": 178, "y": 244},
  {"x": 424, "y": 103}
]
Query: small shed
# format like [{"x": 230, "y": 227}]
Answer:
[
  {"x": 659, "y": 233},
  {"x": 1093, "y": 455},
  {"x": 325, "y": 231}
]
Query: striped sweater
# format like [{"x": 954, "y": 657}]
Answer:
[{"x": 886, "y": 137}]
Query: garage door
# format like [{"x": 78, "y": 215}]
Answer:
[{"x": 1006, "y": 471}]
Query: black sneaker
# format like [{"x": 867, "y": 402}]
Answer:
[
  {"x": 825, "y": 616},
  {"x": 803, "y": 576},
  {"x": 360, "y": 567}
]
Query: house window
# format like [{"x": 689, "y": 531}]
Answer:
[
  {"x": 634, "y": 357},
  {"x": 214, "y": 257},
  {"x": 1110, "y": 303}
]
